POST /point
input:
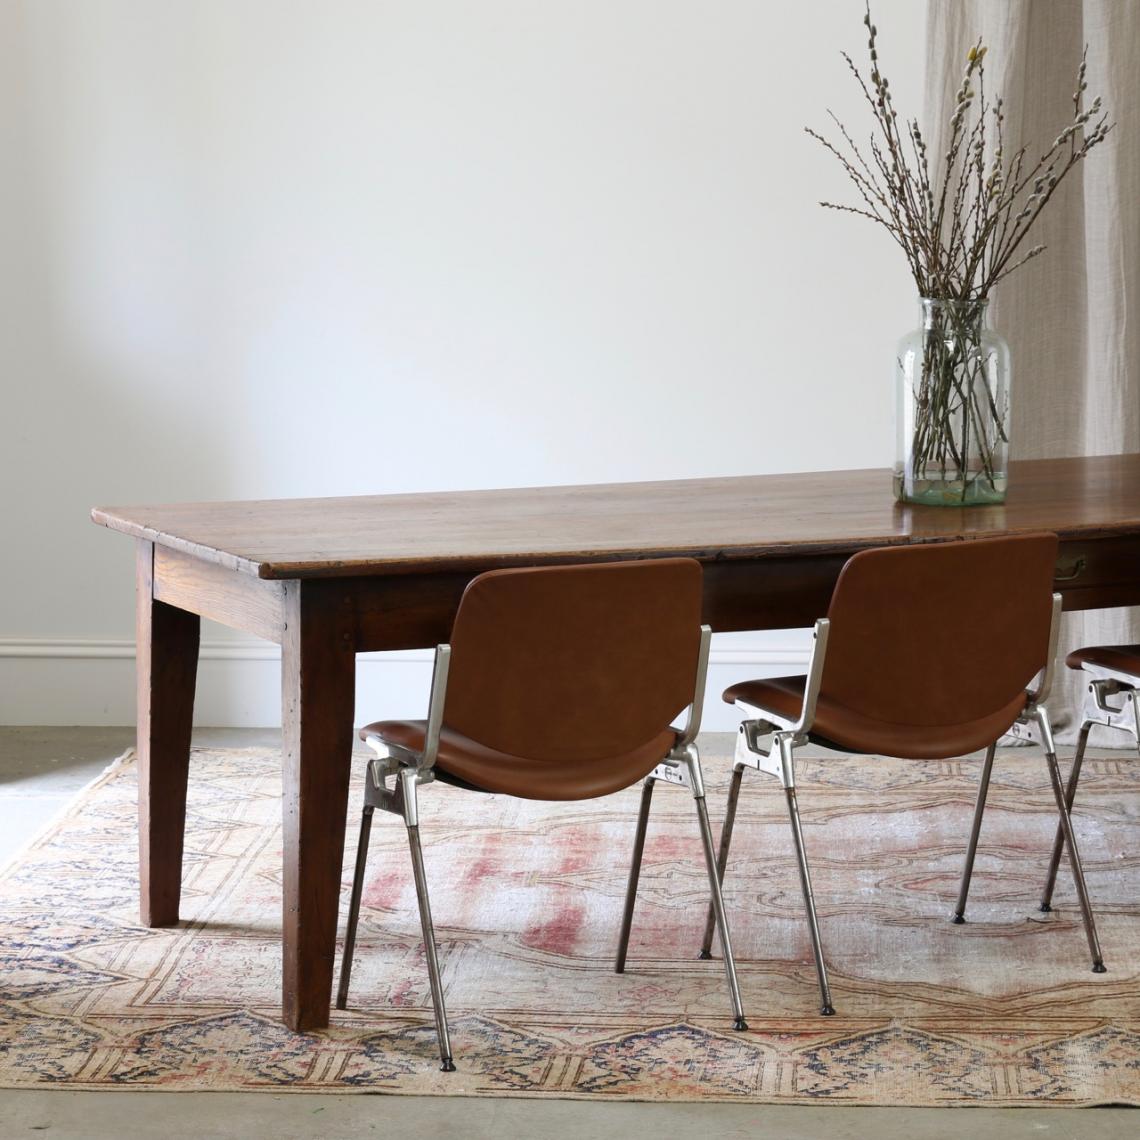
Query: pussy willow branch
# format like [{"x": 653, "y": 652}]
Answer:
[{"x": 959, "y": 231}]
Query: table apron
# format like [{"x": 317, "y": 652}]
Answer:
[
  {"x": 229, "y": 597},
  {"x": 416, "y": 610}
]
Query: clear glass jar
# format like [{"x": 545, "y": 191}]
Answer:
[{"x": 952, "y": 409}]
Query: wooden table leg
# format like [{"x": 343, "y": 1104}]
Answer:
[
  {"x": 318, "y": 672},
  {"x": 166, "y": 656}
]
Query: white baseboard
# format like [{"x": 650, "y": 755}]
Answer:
[{"x": 66, "y": 681}]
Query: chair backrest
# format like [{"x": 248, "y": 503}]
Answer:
[
  {"x": 940, "y": 634},
  {"x": 575, "y": 663}
]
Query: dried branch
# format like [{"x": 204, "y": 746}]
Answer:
[{"x": 959, "y": 232}]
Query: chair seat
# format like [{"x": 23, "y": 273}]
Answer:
[
  {"x": 1120, "y": 662},
  {"x": 836, "y": 726},
  {"x": 488, "y": 770}
]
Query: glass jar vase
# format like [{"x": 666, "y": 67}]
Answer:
[{"x": 952, "y": 410}]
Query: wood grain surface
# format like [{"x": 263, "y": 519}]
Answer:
[{"x": 710, "y": 519}]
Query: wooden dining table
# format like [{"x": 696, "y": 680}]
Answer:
[{"x": 329, "y": 578}]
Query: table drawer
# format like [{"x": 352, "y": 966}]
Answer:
[{"x": 1099, "y": 572}]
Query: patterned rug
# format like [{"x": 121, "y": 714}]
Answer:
[{"x": 527, "y": 899}]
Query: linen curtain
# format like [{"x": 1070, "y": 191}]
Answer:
[{"x": 1072, "y": 315}]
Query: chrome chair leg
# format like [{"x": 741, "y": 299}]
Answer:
[
  {"x": 826, "y": 1007},
  {"x": 722, "y": 854},
  {"x": 682, "y": 767},
  {"x": 975, "y": 831},
  {"x": 1098, "y": 966},
  {"x": 447, "y": 1065},
  {"x": 1059, "y": 838},
  {"x": 354, "y": 907},
  {"x": 718, "y": 906},
  {"x": 634, "y": 874}
]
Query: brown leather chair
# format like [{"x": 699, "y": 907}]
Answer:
[
  {"x": 1113, "y": 673},
  {"x": 927, "y": 652},
  {"x": 560, "y": 683}
]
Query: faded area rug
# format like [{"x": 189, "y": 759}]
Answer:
[{"x": 527, "y": 899}]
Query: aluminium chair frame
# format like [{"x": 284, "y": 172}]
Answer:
[
  {"x": 777, "y": 757},
  {"x": 1095, "y": 710},
  {"x": 411, "y": 769}
]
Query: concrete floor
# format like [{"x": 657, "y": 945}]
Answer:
[{"x": 41, "y": 769}]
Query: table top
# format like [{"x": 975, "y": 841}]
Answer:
[{"x": 710, "y": 519}]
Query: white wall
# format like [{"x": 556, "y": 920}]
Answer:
[{"x": 251, "y": 248}]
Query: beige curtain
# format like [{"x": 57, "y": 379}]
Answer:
[{"x": 1072, "y": 316}]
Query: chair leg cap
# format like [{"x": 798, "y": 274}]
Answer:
[
  {"x": 959, "y": 920},
  {"x": 740, "y": 1023},
  {"x": 827, "y": 1010},
  {"x": 705, "y": 955},
  {"x": 448, "y": 1066},
  {"x": 1099, "y": 968},
  {"x": 1045, "y": 908}
]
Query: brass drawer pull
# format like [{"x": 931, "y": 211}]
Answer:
[{"x": 1077, "y": 570}]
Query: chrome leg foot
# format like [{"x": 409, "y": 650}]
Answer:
[
  {"x": 722, "y": 856},
  {"x": 634, "y": 874},
  {"x": 975, "y": 831},
  {"x": 354, "y": 908},
  {"x": 428, "y": 931},
  {"x": 1075, "y": 863},
  {"x": 718, "y": 908},
  {"x": 809, "y": 901},
  {"x": 1059, "y": 838}
]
